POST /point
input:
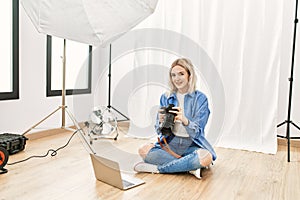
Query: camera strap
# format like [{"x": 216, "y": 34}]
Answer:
[{"x": 167, "y": 148}]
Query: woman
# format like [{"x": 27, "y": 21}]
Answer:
[{"x": 186, "y": 149}]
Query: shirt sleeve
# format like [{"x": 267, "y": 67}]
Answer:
[
  {"x": 198, "y": 119},
  {"x": 162, "y": 103}
]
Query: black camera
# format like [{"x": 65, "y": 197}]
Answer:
[{"x": 166, "y": 127}]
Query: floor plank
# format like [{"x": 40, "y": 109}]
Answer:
[{"x": 236, "y": 174}]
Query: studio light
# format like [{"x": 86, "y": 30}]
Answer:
[{"x": 93, "y": 22}]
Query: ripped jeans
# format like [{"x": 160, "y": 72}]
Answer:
[{"x": 166, "y": 163}]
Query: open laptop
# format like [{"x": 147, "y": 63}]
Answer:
[{"x": 108, "y": 171}]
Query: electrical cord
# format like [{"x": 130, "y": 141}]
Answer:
[{"x": 52, "y": 152}]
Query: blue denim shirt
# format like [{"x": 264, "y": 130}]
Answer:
[{"x": 197, "y": 112}]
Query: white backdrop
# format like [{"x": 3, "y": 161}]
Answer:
[
  {"x": 245, "y": 41},
  {"x": 235, "y": 46}
]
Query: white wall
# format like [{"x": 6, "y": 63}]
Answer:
[{"x": 18, "y": 115}]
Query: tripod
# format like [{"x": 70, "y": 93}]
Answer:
[
  {"x": 63, "y": 107},
  {"x": 289, "y": 121},
  {"x": 109, "y": 89}
]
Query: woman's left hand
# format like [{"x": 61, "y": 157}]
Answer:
[{"x": 179, "y": 115}]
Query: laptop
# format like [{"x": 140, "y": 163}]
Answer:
[{"x": 108, "y": 171}]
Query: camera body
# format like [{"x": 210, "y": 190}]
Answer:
[{"x": 167, "y": 126}]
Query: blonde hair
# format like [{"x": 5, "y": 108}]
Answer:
[{"x": 188, "y": 66}]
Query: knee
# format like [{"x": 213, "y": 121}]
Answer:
[
  {"x": 143, "y": 150},
  {"x": 205, "y": 158}
]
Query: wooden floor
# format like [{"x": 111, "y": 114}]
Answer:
[{"x": 69, "y": 175}]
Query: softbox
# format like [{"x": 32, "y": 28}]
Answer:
[{"x": 93, "y": 22}]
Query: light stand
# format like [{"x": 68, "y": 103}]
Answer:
[
  {"x": 109, "y": 88},
  {"x": 63, "y": 106},
  {"x": 289, "y": 121}
]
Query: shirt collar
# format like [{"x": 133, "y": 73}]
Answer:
[{"x": 173, "y": 95}]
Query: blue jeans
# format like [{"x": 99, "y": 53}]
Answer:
[{"x": 166, "y": 163}]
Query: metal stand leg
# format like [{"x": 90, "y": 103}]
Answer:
[{"x": 31, "y": 128}]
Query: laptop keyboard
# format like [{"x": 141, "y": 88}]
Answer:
[{"x": 127, "y": 183}]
